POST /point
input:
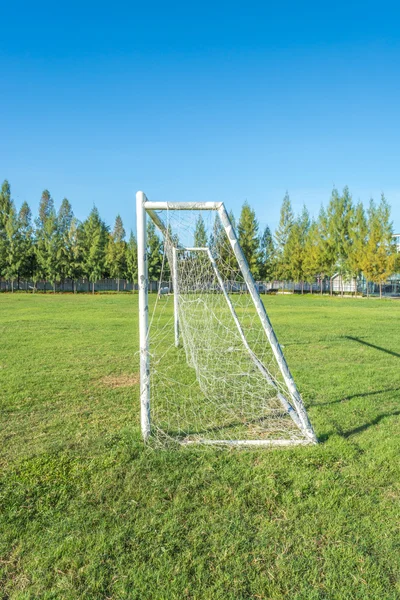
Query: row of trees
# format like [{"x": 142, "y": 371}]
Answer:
[
  {"x": 343, "y": 239},
  {"x": 56, "y": 246}
]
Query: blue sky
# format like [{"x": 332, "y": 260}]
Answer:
[{"x": 208, "y": 101}]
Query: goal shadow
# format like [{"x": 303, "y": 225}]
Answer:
[{"x": 364, "y": 343}]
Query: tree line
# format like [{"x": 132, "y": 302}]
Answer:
[
  {"x": 344, "y": 239},
  {"x": 55, "y": 246}
]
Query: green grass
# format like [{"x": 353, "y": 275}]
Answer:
[{"x": 87, "y": 512}]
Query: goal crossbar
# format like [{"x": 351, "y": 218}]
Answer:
[{"x": 182, "y": 205}]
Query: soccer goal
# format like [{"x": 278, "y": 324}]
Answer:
[{"x": 211, "y": 368}]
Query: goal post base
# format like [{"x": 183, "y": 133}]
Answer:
[{"x": 248, "y": 443}]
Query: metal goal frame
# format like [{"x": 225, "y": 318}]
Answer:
[{"x": 293, "y": 405}]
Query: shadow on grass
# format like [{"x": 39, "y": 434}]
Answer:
[
  {"x": 346, "y": 434},
  {"x": 375, "y": 421},
  {"x": 362, "y": 395},
  {"x": 354, "y": 339}
]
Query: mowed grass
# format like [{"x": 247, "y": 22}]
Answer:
[{"x": 88, "y": 512}]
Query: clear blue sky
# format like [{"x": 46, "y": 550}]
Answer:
[{"x": 200, "y": 101}]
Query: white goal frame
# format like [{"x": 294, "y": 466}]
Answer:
[{"x": 294, "y": 407}]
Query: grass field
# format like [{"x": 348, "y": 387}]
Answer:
[{"x": 87, "y": 512}]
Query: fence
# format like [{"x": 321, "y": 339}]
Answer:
[
  {"x": 76, "y": 285},
  {"x": 335, "y": 285}
]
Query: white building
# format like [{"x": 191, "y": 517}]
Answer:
[{"x": 397, "y": 240}]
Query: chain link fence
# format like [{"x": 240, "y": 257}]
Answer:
[{"x": 334, "y": 285}]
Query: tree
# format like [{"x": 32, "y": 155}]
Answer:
[
  {"x": 293, "y": 254},
  {"x": 64, "y": 222},
  {"x": 200, "y": 234},
  {"x": 5, "y": 202},
  {"x": 380, "y": 253},
  {"x": 221, "y": 250},
  {"x": 5, "y": 210},
  {"x": 327, "y": 252},
  {"x": 28, "y": 257},
  {"x": 267, "y": 255},
  {"x": 65, "y": 216},
  {"x": 295, "y": 246},
  {"x": 48, "y": 240},
  {"x": 312, "y": 258},
  {"x": 94, "y": 240},
  {"x": 116, "y": 251},
  {"x": 74, "y": 251},
  {"x": 286, "y": 222},
  {"x": 13, "y": 249},
  {"x": 318, "y": 259},
  {"x": 339, "y": 217},
  {"x": 249, "y": 239},
  {"x": 155, "y": 252},
  {"x": 131, "y": 260},
  {"x": 358, "y": 236}
]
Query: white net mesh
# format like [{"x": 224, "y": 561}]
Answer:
[{"x": 222, "y": 383}]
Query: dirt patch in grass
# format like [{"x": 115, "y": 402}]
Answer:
[{"x": 117, "y": 381}]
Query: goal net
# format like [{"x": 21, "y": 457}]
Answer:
[{"x": 212, "y": 371}]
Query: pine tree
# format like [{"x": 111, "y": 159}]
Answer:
[
  {"x": 312, "y": 258},
  {"x": 217, "y": 246},
  {"x": 304, "y": 223},
  {"x": 5, "y": 210},
  {"x": 358, "y": 236},
  {"x": 155, "y": 252},
  {"x": 326, "y": 250},
  {"x": 339, "y": 217},
  {"x": 200, "y": 234},
  {"x": 267, "y": 255},
  {"x": 65, "y": 216},
  {"x": 379, "y": 259},
  {"x": 221, "y": 249},
  {"x": 13, "y": 247},
  {"x": 318, "y": 260},
  {"x": 286, "y": 222},
  {"x": 74, "y": 251},
  {"x": 94, "y": 240},
  {"x": 64, "y": 221},
  {"x": 5, "y": 203},
  {"x": 249, "y": 239},
  {"x": 28, "y": 257},
  {"x": 116, "y": 251},
  {"x": 131, "y": 260},
  {"x": 48, "y": 241},
  {"x": 293, "y": 253}
]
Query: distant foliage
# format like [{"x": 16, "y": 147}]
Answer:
[
  {"x": 155, "y": 252},
  {"x": 267, "y": 256},
  {"x": 286, "y": 222},
  {"x": 344, "y": 239},
  {"x": 249, "y": 238},
  {"x": 200, "y": 233},
  {"x": 116, "y": 252}
]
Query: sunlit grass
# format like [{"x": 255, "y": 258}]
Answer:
[{"x": 88, "y": 512}]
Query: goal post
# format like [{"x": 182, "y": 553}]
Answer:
[
  {"x": 218, "y": 316},
  {"x": 176, "y": 293},
  {"x": 143, "y": 315}
]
